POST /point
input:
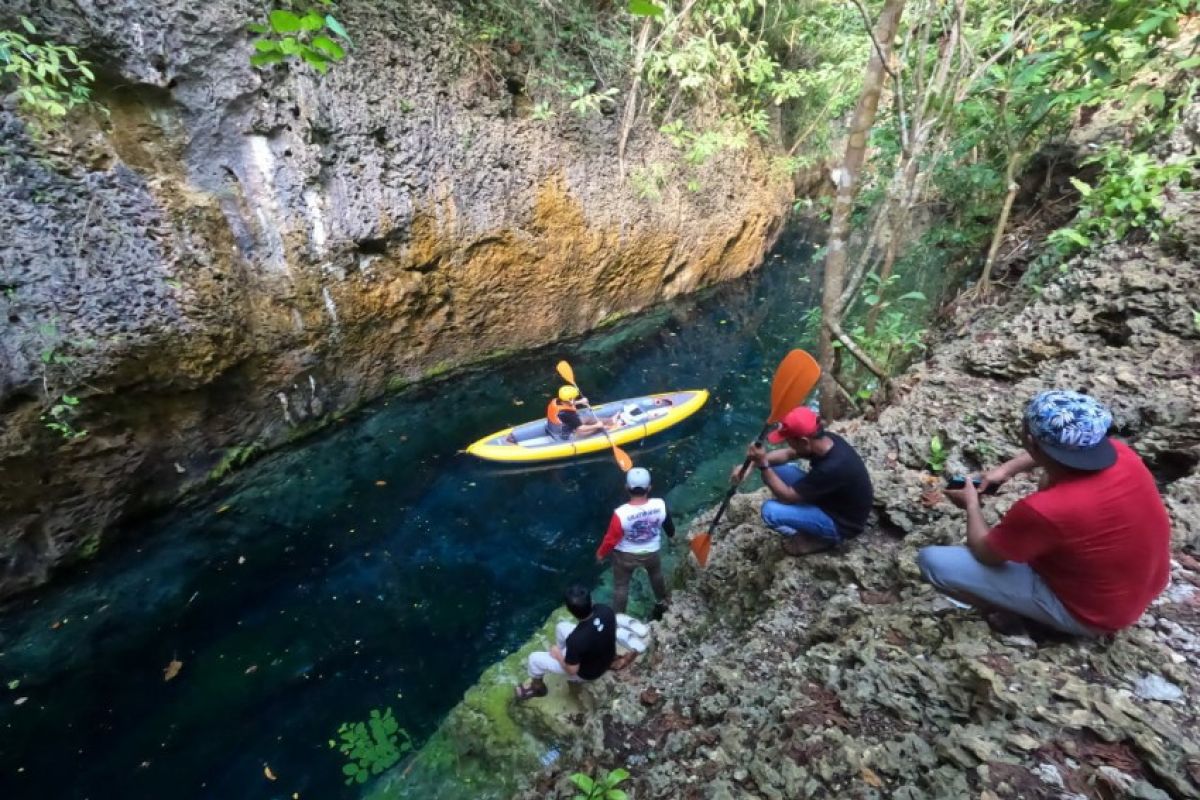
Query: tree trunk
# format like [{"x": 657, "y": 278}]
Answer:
[
  {"x": 846, "y": 178},
  {"x": 631, "y": 101},
  {"x": 1010, "y": 173}
]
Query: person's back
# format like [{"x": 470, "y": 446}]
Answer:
[
  {"x": 1106, "y": 552},
  {"x": 593, "y": 644},
  {"x": 838, "y": 483}
]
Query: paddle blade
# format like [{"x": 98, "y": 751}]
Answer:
[
  {"x": 794, "y": 378},
  {"x": 564, "y": 370},
  {"x": 623, "y": 459},
  {"x": 700, "y": 545}
]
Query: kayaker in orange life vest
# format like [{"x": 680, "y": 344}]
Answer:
[{"x": 562, "y": 416}]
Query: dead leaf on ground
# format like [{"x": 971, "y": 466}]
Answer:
[
  {"x": 871, "y": 778},
  {"x": 172, "y": 669},
  {"x": 931, "y": 497}
]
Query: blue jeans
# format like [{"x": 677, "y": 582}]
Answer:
[{"x": 790, "y": 519}]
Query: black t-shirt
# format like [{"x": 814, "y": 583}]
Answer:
[
  {"x": 838, "y": 484},
  {"x": 593, "y": 643},
  {"x": 569, "y": 420}
]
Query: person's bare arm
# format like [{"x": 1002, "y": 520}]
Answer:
[
  {"x": 995, "y": 476},
  {"x": 760, "y": 459},
  {"x": 967, "y": 498}
]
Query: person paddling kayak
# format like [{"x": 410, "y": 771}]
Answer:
[{"x": 562, "y": 416}]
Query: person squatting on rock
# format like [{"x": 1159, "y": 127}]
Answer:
[
  {"x": 634, "y": 537},
  {"x": 1084, "y": 554},
  {"x": 584, "y": 650},
  {"x": 820, "y": 508}
]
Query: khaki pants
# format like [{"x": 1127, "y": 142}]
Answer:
[{"x": 624, "y": 565}]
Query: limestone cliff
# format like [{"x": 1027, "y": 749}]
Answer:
[{"x": 229, "y": 256}]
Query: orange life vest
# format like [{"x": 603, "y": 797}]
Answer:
[{"x": 555, "y": 408}]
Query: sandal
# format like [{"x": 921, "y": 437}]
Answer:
[{"x": 531, "y": 691}]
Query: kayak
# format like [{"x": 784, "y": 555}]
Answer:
[{"x": 639, "y": 417}]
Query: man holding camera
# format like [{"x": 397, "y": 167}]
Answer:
[{"x": 1086, "y": 553}]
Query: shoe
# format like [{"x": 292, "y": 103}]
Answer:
[{"x": 534, "y": 689}]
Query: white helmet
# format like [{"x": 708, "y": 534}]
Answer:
[{"x": 637, "y": 478}]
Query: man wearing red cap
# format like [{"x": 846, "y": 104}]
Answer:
[{"x": 819, "y": 508}]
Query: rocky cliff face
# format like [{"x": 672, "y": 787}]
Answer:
[
  {"x": 844, "y": 675},
  {"x": 232, "y": 255}
]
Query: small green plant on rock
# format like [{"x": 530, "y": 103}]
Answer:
[
  {"x": 602, "y": 789},
  {"x": 59, "y": 418},
  {"x": 371, "y": 746},
  {"x": 586, "y": 101},
  {"x": 50, "y": 79},
  {"x": 938, "y": 453},
  {"x": 1128, "y": 195},
  {"x": 234, "y": 458},
  {"x": 304, "y": 35}
]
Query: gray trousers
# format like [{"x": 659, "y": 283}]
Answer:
[{"x": 624, "y": 565}]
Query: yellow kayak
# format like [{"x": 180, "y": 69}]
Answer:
[{"x": 638, "y": 417}]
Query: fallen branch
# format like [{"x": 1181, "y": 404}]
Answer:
[{"x": 858, "y": 353}]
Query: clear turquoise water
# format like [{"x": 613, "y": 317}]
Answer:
[{"x": 319, "y": 595}]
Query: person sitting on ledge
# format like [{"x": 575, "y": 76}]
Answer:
[
  {"x": 817, "y": 509},
  {"x": 1086, "y": 553},
  {"x": 583, "y": 651}
]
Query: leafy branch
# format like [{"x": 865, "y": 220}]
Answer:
[
  {"x": 50, "y": 79},
  {"x": 307, "y": 36}
]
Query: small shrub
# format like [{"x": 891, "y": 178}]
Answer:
[
  {"x": 308, "y": 36},
  {"x": 602, "y": 789},
  {"x": 50, "y": 79},
  {"x": 938, "y": 453}
]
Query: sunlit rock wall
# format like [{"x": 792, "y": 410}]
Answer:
[{"x": 228, "y": 256}]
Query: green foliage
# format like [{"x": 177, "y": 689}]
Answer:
[
  {"x": 234, "y": 458},
  {"x": 371, "y": 747},
  {"x": 60, "y": 417},
  {"x": 50, "y": 79},
  {"x": 542, "y": 111},
  {"x": 586, "y": 102},
  {"x": 938, "y": 453},
  {"x": 644, "y": 8},
  {"x": 604, "y": 788},
  {"x": 310, "y": 35},
  {"x": 1128, "y": 196},
  {"x": 649, "y": 181}
]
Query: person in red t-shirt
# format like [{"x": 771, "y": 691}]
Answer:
[{"x": 1086, "y": 553}]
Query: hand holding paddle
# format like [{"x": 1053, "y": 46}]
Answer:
[
  {"x": 794, "y": 378},
  {"x": 623, "y": 460}
]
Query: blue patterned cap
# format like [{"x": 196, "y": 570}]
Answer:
[{"x": 1072, "y": 429}]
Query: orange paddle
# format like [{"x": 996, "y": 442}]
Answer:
[
  {"x": 623, "y": 459},
  {"x": 794, "y": 378}
]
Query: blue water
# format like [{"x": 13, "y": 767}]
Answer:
[{"x": 372, "y": 566}]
